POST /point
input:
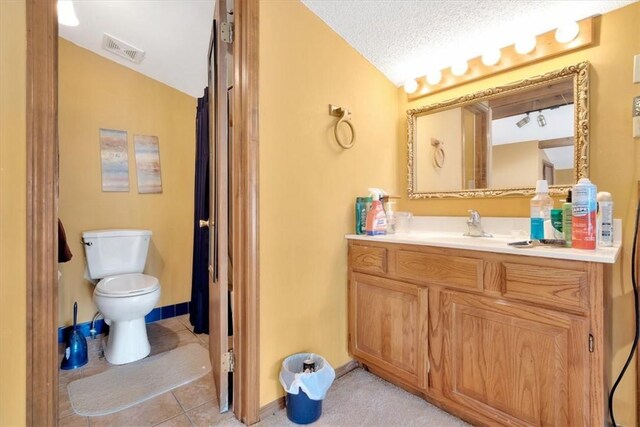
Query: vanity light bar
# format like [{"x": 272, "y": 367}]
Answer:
[{"x": 546, "y": 47}]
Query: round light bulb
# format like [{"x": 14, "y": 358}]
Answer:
[
  {"x": 567, "y": 32},
  {"x": 410, "y": 86},
  {"x": 491, "y": 57},
  {"x": 434, "y": 77},
  {"x": 459, "y": 68},
  {"x": 525, "y": 44}
]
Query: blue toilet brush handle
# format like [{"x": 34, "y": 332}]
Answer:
[{"x": 75, "y": 315}]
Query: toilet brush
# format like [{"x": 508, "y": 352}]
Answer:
[{"x": 75, "y": 353}]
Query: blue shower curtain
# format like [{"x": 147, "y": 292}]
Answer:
[{"x": 199, "y": 306}]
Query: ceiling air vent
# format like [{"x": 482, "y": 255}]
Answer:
[{"x": 122, "y": 49}]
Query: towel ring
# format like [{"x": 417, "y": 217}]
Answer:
[
  {"x": 345, "y": 117},
  {"x": 438, "y": 154}
]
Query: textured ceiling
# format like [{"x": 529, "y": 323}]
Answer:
[
  {"x": 405, "y": 38},
  {"x": 173, "y": 33}
]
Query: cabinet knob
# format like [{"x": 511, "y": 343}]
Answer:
[{"x": 204, "y": 223}]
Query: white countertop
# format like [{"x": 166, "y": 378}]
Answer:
[{"x": 422, "y": 233}]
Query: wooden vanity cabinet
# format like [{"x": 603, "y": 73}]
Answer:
[{"x": 496, "y": 339}]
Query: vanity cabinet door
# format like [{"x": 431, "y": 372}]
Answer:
[
  {"x": 516, "y": 364},
  {"x": 388, "y": 327}
]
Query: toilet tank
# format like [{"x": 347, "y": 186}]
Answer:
[{"x": 111, "y": 252}]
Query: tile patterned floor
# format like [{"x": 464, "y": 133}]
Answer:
[
  {"x": 356, "y": 399},
  {"x": 192, "y": 404}
]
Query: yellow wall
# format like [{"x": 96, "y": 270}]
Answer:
[
  {"x": 516, "y": 165},
  {"x": 13, "y": 228},
  {"x": 308, "y": 184},
  {"x": 97, "y": 93},
  {"x": 445, "y": 126},
  {"x": 615, "y": 165},
  {"x": 564, "y": 176}
]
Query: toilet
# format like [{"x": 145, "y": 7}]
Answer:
[{"x": 123, "y": 294}]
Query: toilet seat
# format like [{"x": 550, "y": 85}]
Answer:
[{"x": 127, "y": 285}]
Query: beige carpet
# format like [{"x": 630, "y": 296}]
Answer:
[
  {"x": 362, "y": 399},
  {"x": 127, "y": 385}
]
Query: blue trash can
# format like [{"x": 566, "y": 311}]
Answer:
[
  {"x": 305, "y": 390},
  {"x": 301, "y": 409}
]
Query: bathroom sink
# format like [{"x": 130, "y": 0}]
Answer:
[
  {"x": 459, "y": 238},
  {"x": 454, "y": 239}
]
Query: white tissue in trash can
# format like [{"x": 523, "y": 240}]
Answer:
[{"x": 314, "y": 384}]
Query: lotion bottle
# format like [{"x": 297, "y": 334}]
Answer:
[{"x": 605, "y": 219}]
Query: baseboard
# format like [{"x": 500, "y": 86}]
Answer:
[
  {"x": 346, "y": 368},
  {"x": 271, "y": 408},
  {"x": 158, "y": 313}
]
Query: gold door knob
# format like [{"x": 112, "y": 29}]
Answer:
[{"x": 203, "y": 223}]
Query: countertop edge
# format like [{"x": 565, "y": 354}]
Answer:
[{"x": 606, "y": 255}]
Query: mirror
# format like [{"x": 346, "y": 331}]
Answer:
[{"x": 499, "y": 141}]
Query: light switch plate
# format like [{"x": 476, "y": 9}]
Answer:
[
  {"x": 636, "y": 69},
  {"x": 636, "y": 117}
]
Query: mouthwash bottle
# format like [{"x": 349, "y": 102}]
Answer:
[{"x": 541, "y": 206}]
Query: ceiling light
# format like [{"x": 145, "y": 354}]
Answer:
[
  {"x": 491, "y": 57},
  {"x": 567, "y": 32},
  {"x": 523, "y": 121},
  {"x": 459, "y": 68},
  {"x": 67, "y": 14},
  {"x": 434, "y": 77},
  {"x": 542, "y": 122},
  {"x": 410, "y": 86},
  {"x": 525, "y": 44}
]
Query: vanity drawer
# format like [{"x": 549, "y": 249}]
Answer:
[
  {"x": 368, "y": 259},
  {"x": 451, "y": 271},
  {"x": 557, "y": 287}
]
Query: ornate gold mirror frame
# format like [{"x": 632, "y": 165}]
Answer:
[{"x": 580, "y": 74}]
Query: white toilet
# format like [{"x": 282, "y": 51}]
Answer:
[{"x": 123, "y": 295}]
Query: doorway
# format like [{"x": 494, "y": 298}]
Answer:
[{"x": 42, "y": 177}]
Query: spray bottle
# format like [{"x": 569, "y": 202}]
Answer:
[{"x": 376, "y": 217}]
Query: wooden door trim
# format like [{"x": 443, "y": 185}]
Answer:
[
  {"x": 42, "y": 213},
  {"x": 245, "y": 188},
  {"x": 42, "y": 204}
]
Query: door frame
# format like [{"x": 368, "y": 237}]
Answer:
[
  {"x": 245, "y": 209},
  {"x": 42, "y": 212}
]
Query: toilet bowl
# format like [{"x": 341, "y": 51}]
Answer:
[
  {"x": 125, "y": 300},
  {"x": 123, "y": 294}
]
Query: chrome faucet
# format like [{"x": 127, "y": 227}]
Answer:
[{"x": 475, "y": 227}]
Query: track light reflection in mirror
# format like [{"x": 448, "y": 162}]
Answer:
[
  {"x": 542, "y": 122},
  {"x": 523, "y": 121}
]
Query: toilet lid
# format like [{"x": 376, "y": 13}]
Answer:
[{"x": 127, "y": 285}]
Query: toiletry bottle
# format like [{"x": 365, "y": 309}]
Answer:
[
  {"x": 556, "y": 224},
  {"x": 361, "y": 214},
  {"x": 583, "y": 215},
  {"x": 566, "y": 219},
  {"x": 387, "y": 203},
  {"x": 376, "y": 218},
  {"x": 541, "y": 206},
  {"x": 605, "y": 219}
]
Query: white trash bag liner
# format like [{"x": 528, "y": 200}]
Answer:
[{"x": 314, "y": 384}]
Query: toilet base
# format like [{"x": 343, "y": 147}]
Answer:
[{"x": 127, "y": 341}]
